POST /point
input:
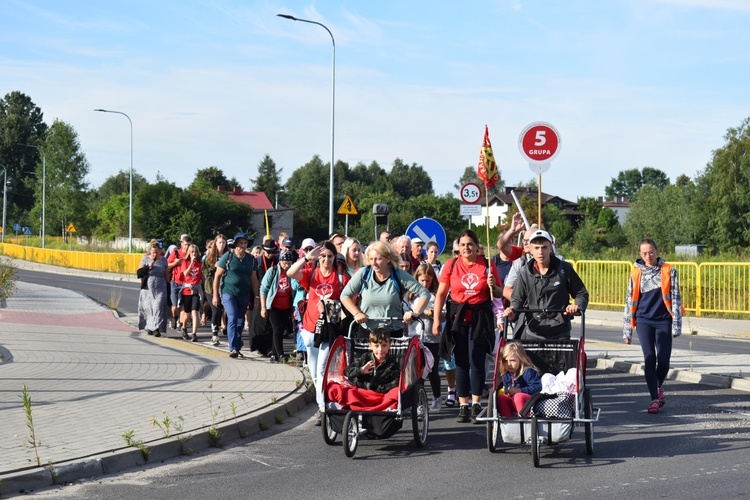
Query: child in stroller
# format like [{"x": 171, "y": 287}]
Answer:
[
  {"x": 374, "y": 375},
  {"x": 520, "y": 380}
]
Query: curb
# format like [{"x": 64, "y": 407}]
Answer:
[
  {"x": 691, "y": 377},
  {"x": 160, "y": 450}
]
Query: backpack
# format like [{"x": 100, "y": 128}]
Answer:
[{"x": 367, "y": 273}]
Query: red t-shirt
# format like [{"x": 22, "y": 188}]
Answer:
[
  {"x": 179, "y": 268},
  {"x": 319, "y": 287},
  {"x": 283, "y": 297},
  {"x": 468, "y": 282},
  {"x": 194, "y": 277},
  {"x": 516, "y": 253}
]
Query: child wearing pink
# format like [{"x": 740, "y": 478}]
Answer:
[{"x": 520, "y": 380}]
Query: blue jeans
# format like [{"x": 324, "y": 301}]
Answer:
[
  {"x": 235, "y": 308},
  {"x": 655, "y": 338},
  {"x": 316, "y": 362}
]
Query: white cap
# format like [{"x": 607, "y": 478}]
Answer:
[
  {"x": 308, "y": 242},
  {"x": 540, "y": 234},
  {"x": 417, "y": 241}
]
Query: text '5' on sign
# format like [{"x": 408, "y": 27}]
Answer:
[
  {"x": 71, "y": 228},
  {"x": 348, "y": 208},
  {"x": 539, "y": 143},
  {"x": 470, "y": 193}
]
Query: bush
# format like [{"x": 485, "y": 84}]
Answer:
[{"x": 7, "y": 279}]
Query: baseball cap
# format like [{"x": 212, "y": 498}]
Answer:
[
  {"x": 287, "y": 242},
  {"x": 270, "y": 246},
  {"x": 286, "y": 255},
  {"x": 540, "y": 234},
  {"x": 308, "y": 242},
  {"x": 186, "y": 237},
  {"x": 417, "y": 241}
]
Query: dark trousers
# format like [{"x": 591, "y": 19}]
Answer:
[
  {"x": 281, "y": 323},
  {"x": 655, "y": 338},
  {"x": 434, "y": 376},
  {"x": 470, "y": 358}
]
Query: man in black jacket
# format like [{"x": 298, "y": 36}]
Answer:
[{"x": 547, "y": 283}]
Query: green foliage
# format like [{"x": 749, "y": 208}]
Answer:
[
  {"x": 307, "y": 192},
  {"x": 725, "y": 183},
  {"x": 7, "y": 279},
  {"x": 112, "y": 218},
  {"x": 628, "y": 182},
  {"x": 409, "y": 181},
  {"x": 208, "y": 179},
  {"x": 586, "y": 238},
  {"x": 119, "y": 184},
  {"x": 21, "y": 122},
  {"x": 470, "y": 175},
  {"x": 27, "y": 409},
  {"x": 589, "y": 207},
  {"x": 269, "y": 178},
  {"x": 66, "y": 171},
  {"x": 607, "y": 219}
]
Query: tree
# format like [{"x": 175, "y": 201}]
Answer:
[
  {"x": 589, "y": 207},
  {"x": 67, "y": 168},
  {"x": 120, "y": 184},
  {"x": 607, "y": 219},
  {"x": 628, "y": 182},
  {"x": 665, "y": 215},
  {"x": 307, "y": 192},
  {"x": 212, "y": 178},
  {"x": 269, "y": 178},
  {"x": 21, "y": 123},
  {"x": 409, "y": 181},
  {"x": 725, "y": 188}
]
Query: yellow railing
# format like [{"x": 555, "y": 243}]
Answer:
[
  {"x": 93, "y": 261},
  {"x": 711, "y": 287}
]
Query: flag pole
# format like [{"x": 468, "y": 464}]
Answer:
[{"x": 487, "y": 228}]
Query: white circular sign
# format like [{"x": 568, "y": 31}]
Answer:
[{"x": 470, "y": 192}]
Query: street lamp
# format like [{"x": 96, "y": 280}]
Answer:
[
  {"x": 5, "y": 193},
  {"x": 44, "y": 188},
  {"x": 279, "y": 190},
  {"x": 130, "y": 210},
  {"x": 333, "y": 110}
]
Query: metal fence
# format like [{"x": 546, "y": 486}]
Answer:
[{"x": 710, "y": 287}]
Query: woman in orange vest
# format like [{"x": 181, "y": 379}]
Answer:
[{"x": 653, "y": 302}]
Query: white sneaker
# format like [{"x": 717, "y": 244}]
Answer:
[
  {"x": 215, "y": 340},
  {"x": 437, "y": 404}
]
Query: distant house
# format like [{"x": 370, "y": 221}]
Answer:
[
  {"x": 620, "y": 206},
  {"x": 501, "y": 203},
  {"x": 281, "y": 219}
]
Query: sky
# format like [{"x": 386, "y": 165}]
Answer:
[{"x": 627, "y": 83}]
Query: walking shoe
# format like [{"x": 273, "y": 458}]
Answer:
[
  {"x": 173, "y": 324},
  {"x": 233, "y": 354},
  {"x": 660, "y": 396},
  {"x": 437, "y": 404},
  {"x": 463, "y": 414},
  {"x": 215, "y": 340},
  {"x": 157, "y": 333},
  {"x": 476, "y": 409},
  {"x": 194, "y": 338},
  {"x": 179, "y": 326},
  {"x": 185, "y": 335},
  {"x": 149, "y": 332},
  {"x": 451, "y": 401},
  {"x": 318, "y": 419},
  {"x": 654, "y": 406}
]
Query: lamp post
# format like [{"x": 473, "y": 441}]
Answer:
[
  {"x": 333, "y": 110},
  {"x": 130, "y": 209},
  {"x": 279, "y": 190},
  {"x": 5, "y": 193},
  {"x": 44, "y": 190}
]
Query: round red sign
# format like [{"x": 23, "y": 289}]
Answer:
[{"x": 539, "y": 142}]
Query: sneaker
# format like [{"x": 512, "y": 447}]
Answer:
[
  {"x": 179, "y": 326},
  {"x": 173, "y": 324},
  {"x": 451, "y": 401},
  {"x": 654, "y": 406},
  {"x": 149, "y": 332},
  {"x": 185, "y": 335},
  {"x": 157, "y": 334},
  {"x": 660, "y": 396},
  {"x": 194, "y": 338},
  {"x": 215, "y": 340},
  {"x": 318, "y": 419},
  {"x": 234, "y": 354},
  {"x": 437, "y": 404},
  {"x": 476, "y": 409},
  {"x": 463, "y": 414}
]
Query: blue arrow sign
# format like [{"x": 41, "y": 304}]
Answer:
[
  {"x": 16, "y": 227},
  {"x": 427, "y": 230}
]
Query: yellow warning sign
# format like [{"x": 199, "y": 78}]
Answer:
[
  {"x": 71, "y": 228},
  {"x": 347, "y": 208}
]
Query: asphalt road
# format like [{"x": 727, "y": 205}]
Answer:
[{"x": 697, "y": 447}]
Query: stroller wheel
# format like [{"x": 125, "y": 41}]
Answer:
[
  {"x": 420, "y": 417},
  {"x": 493, "y": 426},
  {"x": 350, "y": 434},
  {"x": 329, "y": 435}
]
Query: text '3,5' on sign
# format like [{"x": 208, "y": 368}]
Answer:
[
  {"x": 470, "y": 193},
  {"x": 539, "y": 143}
]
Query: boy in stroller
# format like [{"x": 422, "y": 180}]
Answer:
[{"x": 373, "y": 376}]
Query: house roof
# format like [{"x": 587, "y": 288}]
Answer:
[{"x": 256, "y": 199}]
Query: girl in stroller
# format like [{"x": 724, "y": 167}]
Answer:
[{"x": 520, "y": 380}]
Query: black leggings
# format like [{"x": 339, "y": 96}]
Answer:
[
  {"x": 216, "y": 314},
  {"x": 281, "y": 323},
  {"x": 434, "y": 375}
]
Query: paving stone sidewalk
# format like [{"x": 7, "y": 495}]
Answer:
[{"x": 91, "y": 378}]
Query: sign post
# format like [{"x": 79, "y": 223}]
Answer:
[
  {"x": 470, "y": 194},
  {"x": 539, "y": 143},
  {"x": 347, "y": 208},
  {"x": 427, "y": 230}
]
